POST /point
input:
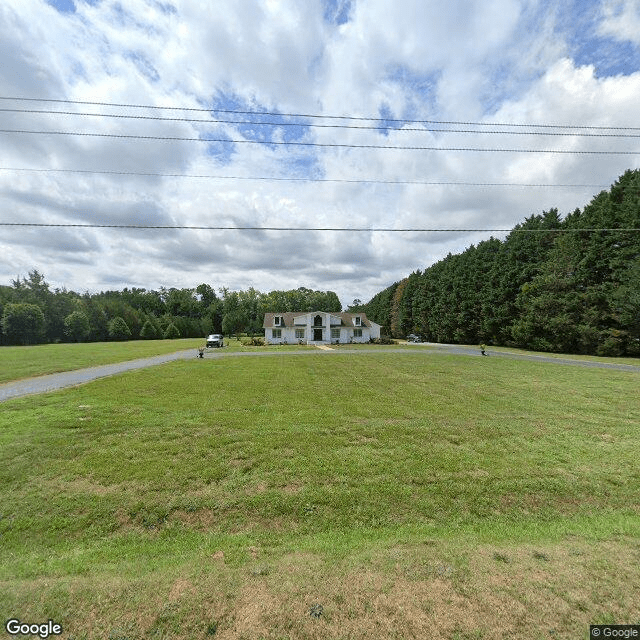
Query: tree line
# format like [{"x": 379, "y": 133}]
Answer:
[
  {"x": 32, "y": 313},
  {"x": 568, "y": 285}
]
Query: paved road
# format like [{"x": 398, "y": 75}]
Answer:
[
  {"x": 55, "y": 381},
  {"x": 474, "y": 351}
]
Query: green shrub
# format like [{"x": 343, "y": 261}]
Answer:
[
  {"x": 613, "y": 343},
  {"x": 171, "y": 332},
  {"x": 382, "y": 340}
]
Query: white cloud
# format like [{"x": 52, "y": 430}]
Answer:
[
  {"x": 507, "y": 61},
  {"x": 621, "y": 20}
]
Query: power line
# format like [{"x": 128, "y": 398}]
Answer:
[
  {"x": 316, "y": 116},
  {"x": 325, "y": 126},
  {"x": 318, "y": 144},
  {"x": 254, "y": 228},
  {"x": 293, "y": 179}
]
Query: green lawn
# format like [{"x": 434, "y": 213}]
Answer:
[
  {"x": 397, "y": 496},
  {"x": 37, "y": 360},
  {"x": 24, "y": 362},
  {"x": 232, "y": 344},
  {"x": 635, "y": 362}
]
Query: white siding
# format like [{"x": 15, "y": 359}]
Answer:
[{"x": 329, "y": 321}]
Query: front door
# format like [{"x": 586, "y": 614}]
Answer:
[{"x": 317, "y": 335}]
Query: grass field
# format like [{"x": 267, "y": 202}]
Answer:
[
  {"x": 37, "y": 360},
  {"x": 634, "y": 362},
  {"x": 24, "y": 362},
  {"x": 416, "y": 495}
]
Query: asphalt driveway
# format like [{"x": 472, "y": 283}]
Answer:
[{"x": 56, "y": 381}]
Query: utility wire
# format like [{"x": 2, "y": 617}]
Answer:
[
  {"x": 251, "y": 228},
  {"x": 325, "y": 126},
  {"x": 318, "y": 144},
  {"x": 286, "y": 179},
  {"x": 315, "y": 116}
]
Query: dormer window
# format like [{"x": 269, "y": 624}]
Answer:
[
  {"x": 356, "y": 321},
  {"x": 277, "y": 320}
]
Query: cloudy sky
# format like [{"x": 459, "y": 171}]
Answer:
[{"x": 208, "y": 114}]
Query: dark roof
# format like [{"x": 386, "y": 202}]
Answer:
[{"x": 346, "y": 319}]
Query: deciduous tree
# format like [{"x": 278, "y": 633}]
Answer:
[
  {"x": 23, "y": 323},
  {"x": 76, "y": 326}
]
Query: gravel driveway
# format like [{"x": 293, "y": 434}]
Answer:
[{"x": 55, "y": 381}]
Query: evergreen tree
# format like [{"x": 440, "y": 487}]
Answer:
[
  {"x": 118, "y": 329},
  {"x": 172, "y": 332},
  {"x": 149, "y": 331},
  {"x": 569, "y": 285}
]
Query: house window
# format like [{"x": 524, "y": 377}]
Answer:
[
  {"x": 317, "y": 321},
  {"x": 276, "y": 333},
  {"x": 335, "y": 334},
  {"x": 299, "y": 334},
  {"x": 357, "y": 321},
  {"x": 277, "y": 320},
  {"x": 357, "y": 333}
]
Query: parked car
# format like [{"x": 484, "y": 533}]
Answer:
[
  {"x": 412, "y": 337},
  {"x": 215, "y": 340}
]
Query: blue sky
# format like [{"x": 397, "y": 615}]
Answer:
[
  {"x": 337, "y": 11},
  {"x": 508, "y": 61},
  {"x": 587, "y": 45},
  {"x": 64, "y": 6}
]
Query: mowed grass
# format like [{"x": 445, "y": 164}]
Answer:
[
  {"x": 232, "y": 344},
  {"x": 414, "y": 495},
  {"x": 634, "y": 362},
  {"x": 37, "y": 360}
]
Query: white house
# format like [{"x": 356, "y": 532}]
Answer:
[{"x": 318, "y": 327}]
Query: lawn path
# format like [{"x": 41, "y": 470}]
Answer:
[{"x": 56, "y": 381}]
